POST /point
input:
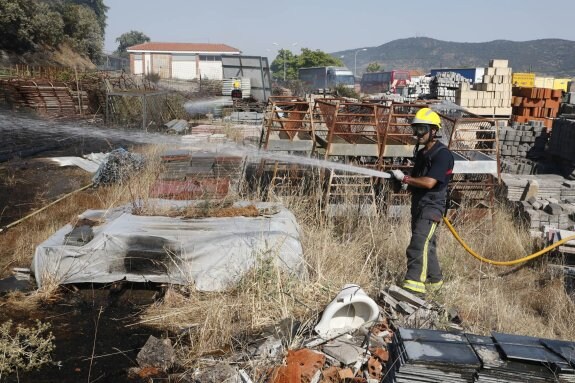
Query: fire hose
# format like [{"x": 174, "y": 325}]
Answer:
[{"x": 504, "y": 263}]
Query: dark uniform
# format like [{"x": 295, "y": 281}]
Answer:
[{"x": 427, "y": 208}]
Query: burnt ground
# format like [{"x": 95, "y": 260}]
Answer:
[
  {"x": 27, "y": 184},
  {"x": 95, "y": 335}
]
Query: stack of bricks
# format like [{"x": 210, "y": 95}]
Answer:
[
  {"x": 492, "y": 96},
  {"x": 445, "y": 85},
  {"x": 521, "y": 140},
  {"x": 542, "y": 200},
  {"x": 538, "y": 213},
  {"x": 540, "y": 104},
  {"x": 520, "y": 187},
  {"x": 562, "y": 141}
]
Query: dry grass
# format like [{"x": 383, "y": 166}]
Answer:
[{"x": 362, "y": 250}]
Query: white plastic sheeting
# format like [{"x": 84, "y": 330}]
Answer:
[
  {"x": 213, "y": 253},
  {"x": 90, "y": 162}
]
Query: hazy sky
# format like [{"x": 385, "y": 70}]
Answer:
[{"x": 253, "y": 26}]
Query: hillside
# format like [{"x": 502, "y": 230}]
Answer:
[
  {"x": 553, "y": 57},
  {"x": 62, "y": 56}
]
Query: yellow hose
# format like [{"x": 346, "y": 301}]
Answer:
[
  {"x": 504, "y": 263},
  {"x": 2, "y": 229}
]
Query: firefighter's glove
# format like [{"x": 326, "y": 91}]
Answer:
[{"x": 398, "y": 174}]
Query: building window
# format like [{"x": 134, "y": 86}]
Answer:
[{"x": 210, "y": 58}]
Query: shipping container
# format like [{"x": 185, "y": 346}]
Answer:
[
  {"x": 525, "y": 80},
  {"x": 474, "y": 75},
  {"x": 561, "y": 83}
]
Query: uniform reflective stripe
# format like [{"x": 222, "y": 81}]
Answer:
[
  {"x": 423, "y": 276},
  {"x": 414, "y": 286},
  {"x": 434, "y": 286}
]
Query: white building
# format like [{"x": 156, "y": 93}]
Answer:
[{"x": 186, "y": 61}]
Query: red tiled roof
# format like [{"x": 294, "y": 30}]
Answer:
[{"x": 183, "y": 47}]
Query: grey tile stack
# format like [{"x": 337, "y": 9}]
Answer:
[
  {"x": 496, "y": 368},
  {"x": 176, "y": 164},
  {"x": 518, "y": 165},
  {"x": 562, "y": 141},
  {"x": 438, "y": 356},
  {"x": 514, "y": 187},
  {"x": 523, "y": 140},
  {"x": 527, "y": 349},
  {"x": 444, "y": 85},
  {"x": 419, "y": 355},
  {"x": 202, "y": 165}
]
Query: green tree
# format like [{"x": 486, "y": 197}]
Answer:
[
  {"x": 25, "y": 24},
  {"x": 306, "y": 59},
  {"x": 309, "y": 58},
  {"x": 374, "y": 67},
  {"x": 285, "y": 56},
  {"x": 47, "y": 26},
  {"x": 129, "y": 39},
  {"x": 83, "y": 29},
  {"x": 99, "y": 9},
  {"x": 16, "y": 25}
]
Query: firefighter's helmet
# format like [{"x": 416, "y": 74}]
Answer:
[{"x": 428, "y": 117}]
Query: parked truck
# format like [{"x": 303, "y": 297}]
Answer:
[{"x": 326, "y": 78}]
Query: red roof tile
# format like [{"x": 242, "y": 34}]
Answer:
[{"x": 183, "y": 47}]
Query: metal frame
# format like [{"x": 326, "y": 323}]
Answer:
[{"x": 288, "y": 127}]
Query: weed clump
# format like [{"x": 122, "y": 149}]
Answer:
[{"x": 24, "y": 348}]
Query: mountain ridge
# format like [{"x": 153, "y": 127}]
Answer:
[{"x": 546, "y": 57}]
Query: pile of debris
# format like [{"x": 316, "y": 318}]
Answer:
[
  {"x": 385, "y": 351},
  {"x": 349, "y": 347}
]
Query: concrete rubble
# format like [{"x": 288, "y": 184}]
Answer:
[{"x": 541, "y": 200}]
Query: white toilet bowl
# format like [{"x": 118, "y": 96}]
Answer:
[{"x": 351, "y": 308}]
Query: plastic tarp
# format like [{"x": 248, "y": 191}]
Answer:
[{"x": 212, "y": 253}]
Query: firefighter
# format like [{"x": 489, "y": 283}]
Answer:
[{"x": 427, "y": 183}]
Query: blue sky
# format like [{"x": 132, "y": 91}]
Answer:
[{"x": 253, "y": 26}]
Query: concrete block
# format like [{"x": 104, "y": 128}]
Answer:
[
  {"x": 503, "y": 111},
  {"x": 344, "y": 352},
  {"x": 498, "y": 63},
  {"x": 503, "y": 71},
  {"x": 487, "y": 79},
  {"x": 489, "y": 71}
]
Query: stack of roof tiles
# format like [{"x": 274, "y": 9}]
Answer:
[
  {"x": 198, "y": 176},
  {"x": 419, "y": 355}
]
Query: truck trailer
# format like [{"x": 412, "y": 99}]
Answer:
[{"x": 326, "y": 78}]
